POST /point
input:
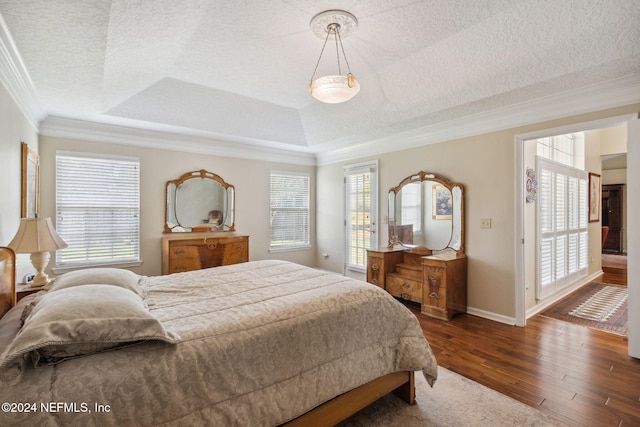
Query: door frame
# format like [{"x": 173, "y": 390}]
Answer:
[{"x": 520, "y": 192}]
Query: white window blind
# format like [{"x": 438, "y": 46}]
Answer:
[
  {"x": 562, "y": 226},
  {"x": 361, "y": 203},
  {"x": 98, "y": 209},
  {"x": 289, "y": 199}
]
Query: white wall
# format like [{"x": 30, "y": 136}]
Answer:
[
  {"x": 14, "y": 129},
  {"x": 249, "y": 177},
  {"x": 484, "y": 165}
]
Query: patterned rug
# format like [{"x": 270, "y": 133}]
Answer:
[
  {"x": 596, "y": 305},
  {"x": 454, "y": 401}
]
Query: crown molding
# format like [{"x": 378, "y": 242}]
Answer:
[
  {"x": 165, "y": 140},
  {"x": 14, "y": 76},
  {"x": 601, "y": 96}
]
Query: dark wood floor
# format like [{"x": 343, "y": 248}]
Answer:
[{"x": 577, "y": 375}]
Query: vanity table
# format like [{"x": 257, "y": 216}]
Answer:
[
  {"x": 200, "y": 216},
  {"x": 427, "y": 264}
]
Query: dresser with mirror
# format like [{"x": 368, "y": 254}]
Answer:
[
  {"x": 424, "y": 261},
  {"x": 200, "y": 218}
]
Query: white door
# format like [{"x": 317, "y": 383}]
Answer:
[{"x": 361, "y": 213}]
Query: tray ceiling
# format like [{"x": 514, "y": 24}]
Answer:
[{"x": 239, "y": 71}]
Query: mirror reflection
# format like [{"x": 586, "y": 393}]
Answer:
[
  {"x": 425, "y": 211},
  {"x": 199, "y": 201}
]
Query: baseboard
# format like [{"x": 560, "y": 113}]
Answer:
[{"x": 491, "y": 316}]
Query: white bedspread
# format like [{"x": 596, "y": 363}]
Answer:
[{"x": 261, "y": 343}]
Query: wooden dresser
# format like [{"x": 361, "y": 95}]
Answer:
[
  {"x": 438, "y": 282},
  {"x": 196, "y": 251}
]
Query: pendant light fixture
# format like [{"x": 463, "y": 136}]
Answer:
[{"x": 334, "y": 89}]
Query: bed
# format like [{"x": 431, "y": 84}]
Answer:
[{"x": 262, "y": 343}]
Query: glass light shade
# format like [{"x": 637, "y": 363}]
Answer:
[{"x": 334, "y": 89}]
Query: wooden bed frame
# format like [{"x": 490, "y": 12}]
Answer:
[
  {"x": 7, "y": 279},
  {"x": 343, "y": 406},
  {"x": 328, "y": 414}
]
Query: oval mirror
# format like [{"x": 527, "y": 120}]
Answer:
[
  {"x": 199, "y": 201},
  {"x": 426, "y": 211}
]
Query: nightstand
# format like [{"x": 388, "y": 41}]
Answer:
[{"x": 22, "y": 290}]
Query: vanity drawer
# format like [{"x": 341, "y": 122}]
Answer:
[
  {"x": 381, "y": 262},
  {"x": 404, "y": 287},
  {"x": 375, "y": 270},
  {"x": 183, "y": 258},
  {"x": 195, "y": 252},
  {"x": 234, "y": 253}
]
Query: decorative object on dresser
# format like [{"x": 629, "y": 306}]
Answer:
[
  {"x": 194, "y": 252},
  {"x": 36, "y": 236},
  {"x": 199, "y": 201},
  {"x": 424, "y": 261}
]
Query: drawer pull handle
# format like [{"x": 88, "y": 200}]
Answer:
[
  {"x": 179, "y": 251},
  {"x": 434, "y": 286},
  {"x": 375, "y": 267},
  {"x": 374, "y": 282},
  {"x": 406, "y": 285},
  {"x": 240, "y": 247},
  {"x": 212, "y": 245},
  {"x": 405, "y": 296},
  {"x": 180, "y": 267}
]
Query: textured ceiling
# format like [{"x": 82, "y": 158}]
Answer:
[{"x": 240, "y": 70}]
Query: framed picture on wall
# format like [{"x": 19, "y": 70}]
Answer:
[
  {"x": 30, "y": 182},
  {"x": 595, "y": 197}
]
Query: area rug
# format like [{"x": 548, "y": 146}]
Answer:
[
  {"x": 596, "y": 305},
  {"x": 454, "y": 401}
]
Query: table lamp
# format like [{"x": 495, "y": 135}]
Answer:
[{"x": 36, "y": 236}]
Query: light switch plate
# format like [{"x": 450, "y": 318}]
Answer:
[{"x": 485, "y": 222}]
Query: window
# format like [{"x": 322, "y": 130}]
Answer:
[
  {"x": 411, "y": 206},
  {"x": 566, "y": 149},
  {"x": 562, "y": 225},
  {"x": 98, "y": 209},
  {"x": 289, "y": 211},
  {"x": 361, "y": 208}
]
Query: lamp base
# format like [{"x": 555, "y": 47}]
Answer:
[{"x": 40, "y": 260}]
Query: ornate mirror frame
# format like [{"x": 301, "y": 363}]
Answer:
[
  {"x": 212, "y": 213},
  {"x": 455, "y": 214}
]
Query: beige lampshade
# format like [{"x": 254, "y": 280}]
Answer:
[{"x": 36, "y": 235}]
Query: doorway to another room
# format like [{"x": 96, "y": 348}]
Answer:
[{"x": 602, "y": 293}]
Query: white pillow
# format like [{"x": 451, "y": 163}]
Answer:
[
  {"x": 79, "y": 321},
  {"x": 99, "y": 276}
]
